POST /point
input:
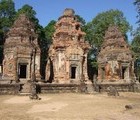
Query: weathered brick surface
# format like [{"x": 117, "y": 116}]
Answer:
[
  {"x": 121, "y": 87},
  {"x": 68, "y": 51},
  {"x": 115, "y": 60},
  {"x": 21, "y": 48}
]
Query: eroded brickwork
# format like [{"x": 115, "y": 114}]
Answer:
[
  {"x": 115, "y": 60},
  {"x": 21, "y": 51},
  {"x": 67, "y": 61}
]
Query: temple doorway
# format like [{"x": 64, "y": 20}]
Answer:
[
  {"x": 124, "y": 72},
  {"x": 23, "y": 71},
  {"x": 73, "y": 72}
]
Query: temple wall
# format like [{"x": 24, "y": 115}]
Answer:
[{"x": 9, "y": 66}]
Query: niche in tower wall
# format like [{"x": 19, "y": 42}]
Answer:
[
  {"x": 73, "y": 72},
  {"x": 124, "y": 72},
  {"x": 22, "y": 71}
]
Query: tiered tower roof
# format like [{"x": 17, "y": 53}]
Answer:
[
  {"x": 22, "y": 27},
  {"x": 114, "y": 37},
  {"x": 114, "y": 46},
  {"x": 68, "y": 31},
  {"x": 21, "y": 33}
]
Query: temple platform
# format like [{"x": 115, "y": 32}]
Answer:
[
  {"x": 8, "y": 87},
  {"x": 57, "y": 88},
  {"x": 120, "y": 86}
]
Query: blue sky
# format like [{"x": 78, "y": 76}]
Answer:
[{"x": 48, "y": 10}]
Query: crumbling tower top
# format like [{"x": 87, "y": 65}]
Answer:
[
  {"x": 68, "y": 12},
  {"x": 22, "y": 27}
]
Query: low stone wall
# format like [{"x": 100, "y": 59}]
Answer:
[
  {"x": 121, "y": 87},
  {"x": 15, "y": 88},
  {"x": 57, "y": 88},
  {"x": 10, "y": 89}
]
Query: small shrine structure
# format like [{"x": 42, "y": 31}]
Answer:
[
  {"x": 21, "y": 52},
  {"x": 67, "y": 61},
  {"x": 115, "y": 60}
]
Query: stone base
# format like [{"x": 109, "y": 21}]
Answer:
[
  {"x": 121, "y": 87},
  {"x": 11, "y": 89},
  {"x": 57, "y": 88}
]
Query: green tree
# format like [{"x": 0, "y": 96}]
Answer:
[
  {"x": 7, "y": 15},
  {"x": 135, "y": 44},
  {"x": 31, "y": 14},
  {"x": 136, "y": 40},
  {"x": 137, "y": 4},
  {"x": 81, "y": 20},
  {"x": 49, "y": 31},
  {"x": 136, "y": 34},
  {"x": 96, "y": 28}
]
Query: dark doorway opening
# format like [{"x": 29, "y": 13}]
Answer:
[
  {"x": 22, "y": 71},
  {"x": 73, "y": 72},
  {"x": 123, "y": 72}
]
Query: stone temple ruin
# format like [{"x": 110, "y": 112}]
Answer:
[
  {"x": 115, "y": 60},
  {"x": 67, "y": 61},
  {"x": 66, "y": 68},
  {"x": 21, "y": 52}
]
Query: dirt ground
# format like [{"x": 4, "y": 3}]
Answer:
[{"x": 70, "y": 106}]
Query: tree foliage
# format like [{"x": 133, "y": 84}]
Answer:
[
  {"x": 81, "y": 20},
  {"x": 136, "y": 41},
  {"x": 137, "y": 4},
  {"x": 49, "y": 31},
  {"x": 135, "y": 44},
  {"x": 7, "y": 15},
  {"x": 96, "y": 28},
  {"x": 31, "y": 14}
]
